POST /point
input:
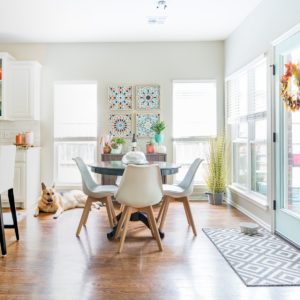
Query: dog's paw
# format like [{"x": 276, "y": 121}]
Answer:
[
  {"x": 96, "y": 205},
  {"x": 55, "y": 217},
  {"x": 35, "y": 215}
]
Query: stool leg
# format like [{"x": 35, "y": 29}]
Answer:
[
  {"x": 12, "y": 204},
  {"x": 2, "y": 233}
]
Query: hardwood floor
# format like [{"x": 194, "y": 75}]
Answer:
[{"x": 50, "y": 262}]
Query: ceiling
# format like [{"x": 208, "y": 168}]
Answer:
[{"x": 119, "y": 20}]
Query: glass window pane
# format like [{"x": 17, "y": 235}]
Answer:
[
  {"x": 292, "y": 168},
  {"x": 243, "y": 94},
  {"x": 260, "y": 88},
  {"x": 194, "y": 109},
  {"x": 66, "y": 169},
  {"x": 75, "y": 116},
  {"x": 261, "y": 129},
  {"x": 185, "y": 153},
  {"x": 240, "y": 170},
  {"x": 243, "y": 130},
  {"x": 259, "y": 168}
]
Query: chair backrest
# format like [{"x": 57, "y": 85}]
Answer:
[
  {"x": 140, "y": 186},
  {"x": 187, "y": 182},
  {"x": 7, "y": 167},
  {"x": 88, "y": 183}
]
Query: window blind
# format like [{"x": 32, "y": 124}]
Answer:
[
  {"x": 194, "y": 108},
  {"x": 75, "y": 110},
  {"x": 246, "y": 94}
]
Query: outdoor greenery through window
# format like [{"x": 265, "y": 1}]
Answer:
[
  {"x": 194, "y": 122},
  {"x": 247, "y": 120},
  {"x": 75, "y": 128}
]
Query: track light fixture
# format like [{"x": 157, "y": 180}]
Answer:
[{"x": 161, "y": 4}]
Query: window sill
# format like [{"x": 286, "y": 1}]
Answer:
[{"x": 251, "y": 197}]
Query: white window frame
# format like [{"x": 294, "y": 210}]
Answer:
[
  {"x": 247, "y": 192},
  {"x": 58, "y": 184},
  {"x": 200, "y": 188}
]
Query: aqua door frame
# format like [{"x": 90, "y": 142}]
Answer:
[{"x": 286, "y": 224}]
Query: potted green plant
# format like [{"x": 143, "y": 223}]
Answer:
[
  {"x": 116, "y": 145},
  {"x": 158, "y": 127},
  {"x": 216, "y": 170}
]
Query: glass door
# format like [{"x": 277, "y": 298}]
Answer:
[
  {"x": 287, "y": 217},
  {"x": 1, "y": 87}
]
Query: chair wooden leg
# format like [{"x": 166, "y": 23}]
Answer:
[
  {"x": 109, "y": 213},
  {"x": 186, "y": 212},
  {"x": 150, "y": 223},
  {"x": 122, "y": 207},
  {"x": 121, "y": 222},
  {"x": 85, "y": 212},
  {"x": 2, "y": 233},
  {"x": 188, "y": 208},
  {"x": 113, "y": 213},
  {"x": 164, "y": 213},
  {"x": 161, "y": 210},
  {"x": 154, "y": 227},
  {"x": 12, "y": 205},
  {"x": 123, "y": 236}
]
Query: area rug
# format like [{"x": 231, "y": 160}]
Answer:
[{"x": 259, "y": 260}]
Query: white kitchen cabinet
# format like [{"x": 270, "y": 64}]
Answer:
[
  {"x": 5, "y": 58},
  {"x": 23, "y": 90},
  {"x": 27, "y": 178}
]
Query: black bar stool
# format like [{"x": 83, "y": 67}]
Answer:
[{"x": 7, "y": 168}]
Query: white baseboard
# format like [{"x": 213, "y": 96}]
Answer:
[{"x": 249, "y": 214}]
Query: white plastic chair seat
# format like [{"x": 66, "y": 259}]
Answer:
[
  {"x": 101, "y": 191},
  {"x": 140, "y": 188},
  {"x": 180, "y": 193},
  {"x": 95, "y": 192},
  {"x": 174, "y": 191}
]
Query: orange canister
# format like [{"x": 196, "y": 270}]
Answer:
[{"x": 19, "y": 139}]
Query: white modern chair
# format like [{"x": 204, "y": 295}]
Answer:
[
  {"x": 180, "y": 193},
  {"x": 140, "y": 189},
  {"x": 7, "y": 170},
  {"x": 95, "y": 193}
]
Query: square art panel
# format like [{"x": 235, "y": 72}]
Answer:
[
  {"x": 120, "y": 125},
  {"x": 148, "y": 97},
  {"x": 120, "y": 97},
  {"x": 144, "y": 123}
]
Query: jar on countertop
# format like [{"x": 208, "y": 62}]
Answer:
[
  {"x": 19, "y": 139},
  {"x": 29, "y": 138}
]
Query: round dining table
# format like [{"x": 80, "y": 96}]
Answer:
[{"x": 116, "y": 168}]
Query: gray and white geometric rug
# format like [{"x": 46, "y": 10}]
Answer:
[{"x": 259, "y": 260}]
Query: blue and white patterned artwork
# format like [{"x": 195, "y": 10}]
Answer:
[
  {"x": 120, "y": 125},
  {"x": 120, "y": 97},
  {"x": 148, "y": 97},
  {"x": 144, "y": 123}
]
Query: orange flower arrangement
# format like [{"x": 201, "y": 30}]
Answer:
[{"x": 291, "y": 100}]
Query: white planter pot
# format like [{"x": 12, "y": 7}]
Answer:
[{"x": 117, "y": 150}]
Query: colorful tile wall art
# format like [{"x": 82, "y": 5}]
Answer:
[
  {"x": 120, "y": 125},
  {"x": 144, "y": 123},
  {"x": 120, "y": 97},
  {"x": 148, "y": 97}
]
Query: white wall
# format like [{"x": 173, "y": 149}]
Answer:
[
  {"x": 119, "y": 63},
  {"x": 253, "y": 37}
]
